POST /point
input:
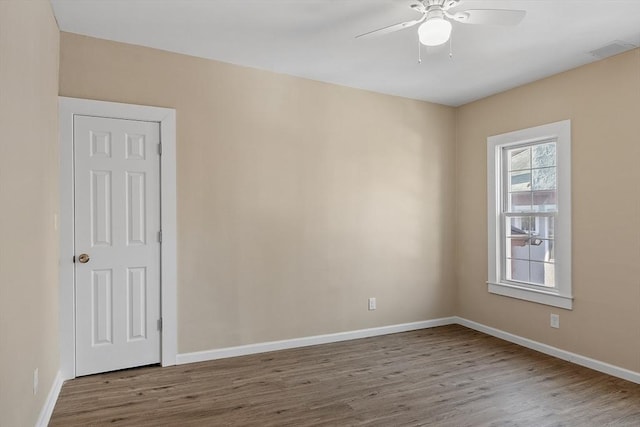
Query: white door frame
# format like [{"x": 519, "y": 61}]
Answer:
[{"x": 166, "y": 117}]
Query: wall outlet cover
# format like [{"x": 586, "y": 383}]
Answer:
[{"x": 555, "y": 321}]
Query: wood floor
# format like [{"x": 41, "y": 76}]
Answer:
[{"x": 447, "y": 376}]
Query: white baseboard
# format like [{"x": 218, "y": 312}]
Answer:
[
  {"x": 596, "y": 365},
  {"x": 50, "y": 403},
  {"x": 243, "y": 350}
]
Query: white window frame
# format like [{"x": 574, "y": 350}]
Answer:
[{"x": 560, "y": 296}]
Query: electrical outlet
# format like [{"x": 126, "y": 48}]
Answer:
[
  {"x": 555, "y": 320},
  {"x": 35, "y": 381},
  {"x": 372, "y": 304}
]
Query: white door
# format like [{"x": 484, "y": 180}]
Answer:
[{"x": 117, "y": 243}]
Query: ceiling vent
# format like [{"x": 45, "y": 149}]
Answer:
[{"x": 612, "y": 48}]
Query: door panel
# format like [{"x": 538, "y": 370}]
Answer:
[
  {"x": 137, "y": 307},
  {"x": 102, "y": 307},
  {"x": 117, "y": 220},
  {"x": 100, "y": 197}
]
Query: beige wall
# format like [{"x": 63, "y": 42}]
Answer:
[
  {"x": 29, "y": 42},
  {"x": 603, "y": 102},
  {"x": 297, "y": 200}
]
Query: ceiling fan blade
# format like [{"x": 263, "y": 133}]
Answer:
[
  {"x": 391, "y": 28},
  {"x": 489, "y": 16}
]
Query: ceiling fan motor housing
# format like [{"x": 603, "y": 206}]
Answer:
[{"x": 445, "y": 4}]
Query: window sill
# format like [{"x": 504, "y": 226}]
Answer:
[{"x": 534, "y": 295}]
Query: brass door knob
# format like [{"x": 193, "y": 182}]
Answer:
[{"x": 83, "y": 258}]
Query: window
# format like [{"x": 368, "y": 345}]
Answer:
[{"x": 529, "y": 211}]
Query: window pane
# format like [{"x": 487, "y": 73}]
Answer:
[
  {"x": 519, "y": 202},
  {"x": 544, "y": 178},
  {"x": 519, "y": 158},
  {"x": 543, "y": 273},
  {"x": 520, "y": 226},
  {"x": 545, "y": 201},
  {"x": 517, "y": 247},
  {"x": 544, "y": 227},
  {"x": 541, "y": 250},
  {"x": 517, "y": 270},
  {"x": 520, "y": 181},
  {"x": 543, "y": 155}
]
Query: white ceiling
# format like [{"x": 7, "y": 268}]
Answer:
[{"x": 315, "y": 39}]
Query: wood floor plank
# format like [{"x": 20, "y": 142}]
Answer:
[{"x": 446, "y": 376}]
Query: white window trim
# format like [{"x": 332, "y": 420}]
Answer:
[{"x": 562, "y": 295}]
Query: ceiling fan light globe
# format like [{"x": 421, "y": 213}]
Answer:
[{"x": 434, "y": 31}]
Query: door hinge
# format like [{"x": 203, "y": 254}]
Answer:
[
  {"x": 160, "y": 324},
  {"x": 160, "y": 236},
  {"x": 160, "y": 148}
]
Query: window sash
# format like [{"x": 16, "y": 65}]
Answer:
[
  {"x": 504, "y": 237},
  {"x": 506, "y": 212},
  {"x": 505, "y": 182}
]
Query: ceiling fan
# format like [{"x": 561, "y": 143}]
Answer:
[{"x": 436, "y": 20}]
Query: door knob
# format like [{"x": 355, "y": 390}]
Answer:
[{"x": 83, "y": 258}]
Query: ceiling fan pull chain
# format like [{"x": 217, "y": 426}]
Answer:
[
  {"x": 419, "y": 52},
  {"x": 451, "y": 46}
]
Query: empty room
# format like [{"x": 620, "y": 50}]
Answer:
[{"x": 320, "y": 212}]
